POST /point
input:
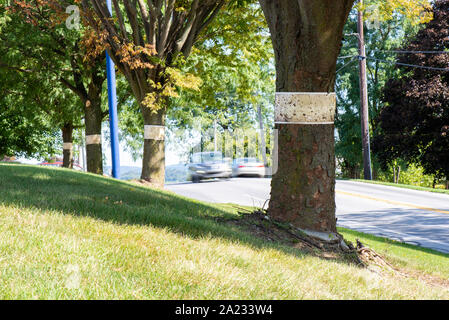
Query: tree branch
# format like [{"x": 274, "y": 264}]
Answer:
[{"x": 81, "y": 93}]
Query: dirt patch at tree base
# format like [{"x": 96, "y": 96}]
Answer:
[{"x": 261, "y": 225}]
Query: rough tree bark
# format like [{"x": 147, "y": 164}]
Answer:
[
  {"x": 306, "y": 36},
  {"x": 67, "y": 139},
  {"x": 153, "y": 168},
  {"x": 93, "y": 118}
]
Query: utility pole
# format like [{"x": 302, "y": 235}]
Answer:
[
  {"x": 113, "y": 121},
  {"x": 364, "y": 115}
]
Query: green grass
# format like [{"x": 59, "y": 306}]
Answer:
[
  {"x": 70, "y": 235},
  {"x": 405, "y": 186}
]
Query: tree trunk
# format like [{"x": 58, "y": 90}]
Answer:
[
  {"x": 394, "y": 174},
  {"x": 306, "y": 37},
  {"x": 375, "y": 173},
  {"x": 153, "y": 162},
  {"x": 351, "y": 171},
  {"x": 93, "y": 118},
  {"x": 357, "y": 172},
  {"x": 67, "y": 139}
]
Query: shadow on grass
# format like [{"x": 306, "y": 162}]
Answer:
[{"x": 87, "y": 195}]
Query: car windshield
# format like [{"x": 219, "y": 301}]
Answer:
[{"x": 207, "y": 157}]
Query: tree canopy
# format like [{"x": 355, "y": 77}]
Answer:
[
  {"x": 65, "y": 58},
  {"x": 415, "y": 121},
  {"x": 387, "y": 25}
]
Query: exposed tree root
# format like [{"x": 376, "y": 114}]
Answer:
[
  {"x": 263, "y": 226},
  {"x": 374, "y": 261}
]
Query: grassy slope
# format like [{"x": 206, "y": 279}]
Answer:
[{"x": 65, "y": 235}]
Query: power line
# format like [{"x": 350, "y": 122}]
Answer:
[
  {"x": 346, "y": 57},
  {"x": 409, "y": 65},
  {"x": 347, "y": 64},
  {"x": 410, "y": 52},
  {"x": 397, "y": 63}
]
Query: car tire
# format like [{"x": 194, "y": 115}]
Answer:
[{"x": 196, "y": 179}]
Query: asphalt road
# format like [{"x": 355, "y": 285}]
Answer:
[{"x": 416, "y": 217}]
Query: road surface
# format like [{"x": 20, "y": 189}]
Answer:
[{"x": 416, "y": 217}]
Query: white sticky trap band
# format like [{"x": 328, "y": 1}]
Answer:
[
  {"x": 305, "y": 107},
  {"x": 152, "y": 132},
  {"x": 67, "y": 146},
  {"x": 93, "y": 139}
]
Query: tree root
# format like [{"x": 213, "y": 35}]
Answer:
[
  {"x": 372, "y": 258},
  {"x": 331, "y": 245}
]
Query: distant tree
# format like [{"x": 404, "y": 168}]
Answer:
[
  {"x": 31, "y": 96},
  {"x": 33, "y": 108},
  {"x": 149, "y": 41},
  {"x": 414, "y": 125},
  {"x": 382, "y": 33},
  {"x": 234, "y": 60},
  {"x": 37, "y": 35},
  {"x": 24, "y": 134}
]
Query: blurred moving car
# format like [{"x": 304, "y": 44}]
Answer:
[
  {"x": 59, "y": 164},
  {"x": 208, "y": 165},
  {"x": 248, "y": 167}
]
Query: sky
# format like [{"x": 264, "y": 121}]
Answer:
[{"x": 126, "y": 159}]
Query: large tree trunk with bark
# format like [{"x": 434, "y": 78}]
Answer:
[
  {"x": 306, "y": 36},
  {"x": 67, "y": 139},
  {"x": 93, "y": 118},
  {"x": 153, "y": 162}
]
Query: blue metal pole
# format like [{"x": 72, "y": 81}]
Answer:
[{"x": 113, "y": 119}]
